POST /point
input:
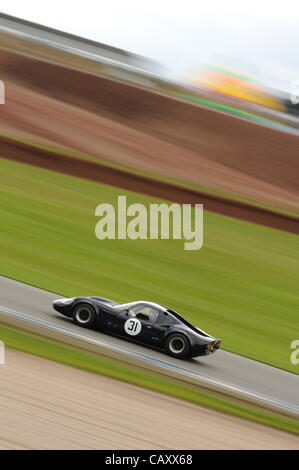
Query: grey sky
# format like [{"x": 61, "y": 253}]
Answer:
[{"x": 259, "y": 37}]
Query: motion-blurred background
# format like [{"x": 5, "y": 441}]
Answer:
[{"x": 169, "y": 101}]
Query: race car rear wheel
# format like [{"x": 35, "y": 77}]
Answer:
[
  {"x": 177, "y": 345},
  {"x": 84, "y": 315}
]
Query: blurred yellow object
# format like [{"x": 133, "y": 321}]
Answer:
[{"x": 240, "y": 85}]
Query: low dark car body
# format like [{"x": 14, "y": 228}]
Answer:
[{"x": 143, "y": 322}]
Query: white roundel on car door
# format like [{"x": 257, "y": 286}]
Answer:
[{"x": 133, "y": 326}]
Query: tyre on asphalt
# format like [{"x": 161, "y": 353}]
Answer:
[
  {"x": 84, "y": 315},
  {"x": 177, "y": 345}
]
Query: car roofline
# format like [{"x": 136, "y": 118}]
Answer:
[{"x": 151, "y": 304}]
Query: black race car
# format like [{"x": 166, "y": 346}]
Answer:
[{"x": 145, "y": 322}]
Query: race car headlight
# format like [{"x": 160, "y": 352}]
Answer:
[{"x": 67, "y": 301}]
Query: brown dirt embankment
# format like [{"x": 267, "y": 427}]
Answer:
[
  {"x": 26, "y": 153},
  {"x": 46, "y": 405},
  {"x": 260, "y": 152}
]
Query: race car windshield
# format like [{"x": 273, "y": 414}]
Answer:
[
  {"x": 125, "y": 306},
  {"x": 141, "y": 310}
]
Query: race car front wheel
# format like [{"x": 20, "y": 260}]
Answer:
[
  {"x": 84, "y": 315},
  {"x": 177, "y": 345}
]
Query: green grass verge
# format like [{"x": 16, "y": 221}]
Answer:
[
  {"x": 241, "y": 286},
  {"x": 55, "y": 351}
]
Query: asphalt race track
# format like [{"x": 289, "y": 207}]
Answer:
[{"x": 222, "y": 367}]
